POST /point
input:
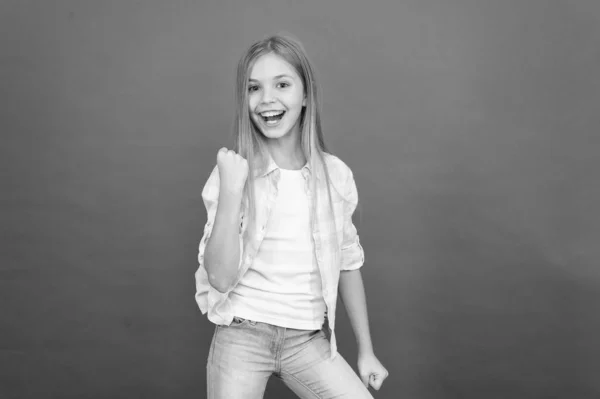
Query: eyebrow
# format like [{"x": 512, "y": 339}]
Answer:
[{"x": 275, "y": 78}]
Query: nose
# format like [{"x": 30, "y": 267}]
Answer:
[{"x": 268, "y": 96}]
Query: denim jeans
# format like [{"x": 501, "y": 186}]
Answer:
[{"x": 245, "y": 354}]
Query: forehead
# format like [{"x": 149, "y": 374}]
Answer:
[{"x": 269, "y": 66}]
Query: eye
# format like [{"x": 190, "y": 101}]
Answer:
[
  {"x": 252, "y": 88},
  {"x": 283, "y": 85}
]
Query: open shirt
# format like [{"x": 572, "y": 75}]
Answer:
[{"x": 350, "y": 254}]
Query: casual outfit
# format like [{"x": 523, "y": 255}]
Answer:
[{"x": 279, "y": 316}]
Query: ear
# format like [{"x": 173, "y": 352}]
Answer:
[{"x": 304, "y": 101}]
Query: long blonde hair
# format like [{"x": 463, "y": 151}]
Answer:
[{"x": 250, "y": 143}]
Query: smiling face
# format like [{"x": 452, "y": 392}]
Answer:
[{"x": 275, "y": 97}]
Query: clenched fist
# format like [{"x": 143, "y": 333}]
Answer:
[{"x": 233, "y": 171}]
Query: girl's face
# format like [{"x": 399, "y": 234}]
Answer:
[{"x": 275, "y": 97}]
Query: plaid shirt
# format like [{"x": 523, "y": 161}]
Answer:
[{"x": 350, "y": 257}]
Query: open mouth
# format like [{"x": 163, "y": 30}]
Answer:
[{"x": 271, "y": 118}]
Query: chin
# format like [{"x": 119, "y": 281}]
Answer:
[
  {"x": 273, "y": 135},
  {"x": 282, "y": 131}
]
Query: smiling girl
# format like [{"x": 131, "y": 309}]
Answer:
[{"x": 279, "y": 242}]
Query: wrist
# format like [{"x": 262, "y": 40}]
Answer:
[{"x": 365, "y": 349}]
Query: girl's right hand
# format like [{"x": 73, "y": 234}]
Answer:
[{"x": 233, "y": 171}]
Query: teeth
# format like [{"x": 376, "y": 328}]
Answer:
[{"x": 271, "y": 113}]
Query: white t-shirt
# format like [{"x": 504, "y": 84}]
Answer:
[{"x": 283, "y": 285}]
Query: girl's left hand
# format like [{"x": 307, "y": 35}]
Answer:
[{"x": 371, "y": 370}]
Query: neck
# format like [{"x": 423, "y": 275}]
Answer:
[{"x": 287, "y": 151}]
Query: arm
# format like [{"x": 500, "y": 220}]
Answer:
[
  {"x": 351, "y": 286},
  {"x": 352, "y": 293},
  {"x": 222, "y": 253},
  {"x": 222, "y": 196}
]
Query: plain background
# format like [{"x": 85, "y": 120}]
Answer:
[{"x": 472, "y": 130}]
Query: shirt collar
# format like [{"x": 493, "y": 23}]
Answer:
[{"x": 272, "y": 166}]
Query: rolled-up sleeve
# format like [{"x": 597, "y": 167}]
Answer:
[
  {"x": 206, "y": 295},
  {"x": 353, "y": 256}
]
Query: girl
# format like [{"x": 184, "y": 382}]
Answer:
[{"x": 279, "y": 242}]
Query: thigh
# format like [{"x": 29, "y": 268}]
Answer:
[
  {"x": 238, "y": 365},
  {"x": 311, "y": 374}
]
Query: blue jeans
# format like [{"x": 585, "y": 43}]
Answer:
[{"x": 245, "y": 354}]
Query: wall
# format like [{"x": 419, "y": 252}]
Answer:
[{"x": 470, "y": 129}]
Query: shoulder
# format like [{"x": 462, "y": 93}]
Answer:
[
  {"x": 338, "y": 169},
  {"x": 341, "y": 177}
]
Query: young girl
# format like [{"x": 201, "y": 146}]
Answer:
[{"x": 279, "y": 242}]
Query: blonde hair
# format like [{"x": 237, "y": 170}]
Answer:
[{"x": 250, "y": 143}]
